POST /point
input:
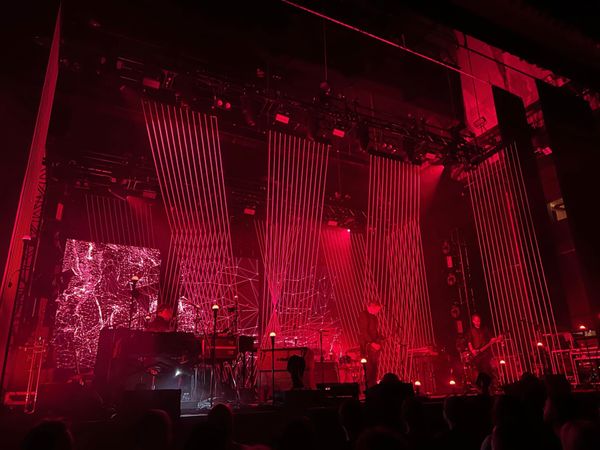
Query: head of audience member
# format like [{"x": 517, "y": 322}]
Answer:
[
  {"x": 220, "y": 418},
  {"x": 373, "y": 307},
  {"x": 560, "y": 403},
  {"x": 298, "y": 434},
  {"x": 507, "y": 411},
  {"x": 206, "y": 436},
  {"x": 380, "y": 438},
  {"x": 153, "y": 431},
  {"x": 413, "y": 416},
  {"x": 505, "y": 437},
  {"x": 532, "y": 393},
  {"x": 389, "y": 378},
  {"x": 351, "y": 418},
  {"x": 456, "y": 412},
  {"x": 580, "y": 435},
  {"x": 49, "y": 435}
]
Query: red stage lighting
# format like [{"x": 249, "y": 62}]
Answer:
[
  {"x": 348, "y": 230},
  {"x": 59, "y": 211},
  {"x": 337, "y": 132},
  {"x": 540, "y": 344},
  {"x": 282, "y": 118},
  {"x": 332, "y": 223},
  {"x": 151, "y": 83},
  {"x": 582, "y": 327},
  {"x": 452, "y": 383},
  {"x": 249, "y": 211},
  {"x": 502, "y": 362}
]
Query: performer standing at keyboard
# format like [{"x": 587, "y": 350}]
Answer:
[{"x": 370, "y": 340}]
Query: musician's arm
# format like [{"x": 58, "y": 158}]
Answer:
[{"x": 472, "y": 349}]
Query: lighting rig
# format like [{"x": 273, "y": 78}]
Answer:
[{"x": 345, "y": 124}]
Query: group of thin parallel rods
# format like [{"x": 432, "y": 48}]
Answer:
[
  {"x": 187, "y": 155},
  {"x": 344, "y": 257},
  {"x": 114, "y": 221},
  {"x": 289, "y": 238},
  {"x": 517, "y": 288},
  {"x": 394, "y": 269}
]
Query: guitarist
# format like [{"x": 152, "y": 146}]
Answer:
[
  {"x": 370, "y": 340},
  {"x": 480, "y": 346}
]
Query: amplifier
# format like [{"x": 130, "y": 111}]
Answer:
[{"x": 340, "y": 390}]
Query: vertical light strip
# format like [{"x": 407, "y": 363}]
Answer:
[
  {"x": 289, "y": 238},
  {"x": 115, "y": 221},
  {"x": 516, "y": 284},
  {"x": 394, "y": 266},
  {"x": 187, "y": 155}
]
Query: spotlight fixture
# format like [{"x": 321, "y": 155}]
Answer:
[
  {"x": 348, "y": 230},
  {"x": 363, "y": 360},
  {"x": 222, "y": 103},
  {"x": 282, "y": 118},
  {"x": 215, "y": 307},
  {"x": 338, "y": 132},
  {"x": 452, "y": 383},
  {"x": 151, "y": 83},
  {"x": 249, "y": 211},
  {"x": 502, "y": 362},
  {"x": 582, "y": 327},
  {"x": 540, "y": 344},
  {"x": 417, "y": 383},
  {"x": 272, "y": 334}
]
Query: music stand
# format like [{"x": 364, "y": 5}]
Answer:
[
  {"x": 272, "y": 336},
  {"x": 213, "y": 381}
]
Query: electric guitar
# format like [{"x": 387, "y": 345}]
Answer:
[{"x": 473, "y": 354}]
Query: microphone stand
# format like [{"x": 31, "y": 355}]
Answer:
[
  {"x": 272, "y": 336},
  {"x": 322, "y": 360},
  {"x": 215, "y": 309},
  {"x": 363, "y": 361},
  {"x": 133, "y": 282}
]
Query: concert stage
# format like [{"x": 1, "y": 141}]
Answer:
[{"x": 236, "y": 209}]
